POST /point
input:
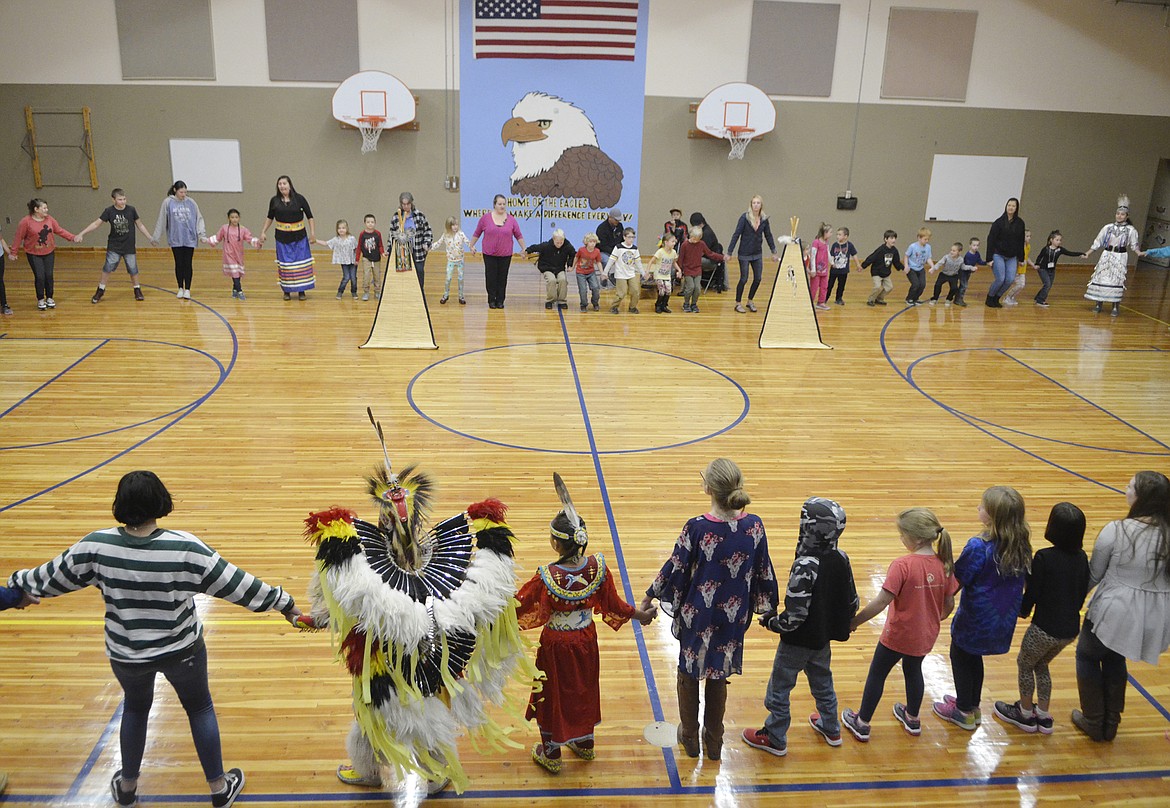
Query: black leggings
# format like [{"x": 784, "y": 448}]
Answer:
[
  {"x": 757, "y": 266},
  {"x": 495, "y": 273},
  {"x": 838, "y": 278},
  {"x": 968, "y": 672},
  {"x": 42, "y": 268},
  {"x": 183, "y": 270},
  {"x": 884, "y": 660},
  {"x": 951, "y": 281}
]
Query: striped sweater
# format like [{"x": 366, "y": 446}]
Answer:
[{"x": 149, "y": 586}]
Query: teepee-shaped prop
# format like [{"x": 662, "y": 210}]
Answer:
[
  {"x": 790, "y": 321},
  {"x": 402, "y": 319}
]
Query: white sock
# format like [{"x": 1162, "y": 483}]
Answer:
[
  {"x": 101, "y": 286},
  {"x": 1041, "y": 713}
]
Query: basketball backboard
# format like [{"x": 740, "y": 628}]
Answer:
[
  {"x": 373, "y": 94},
  {"x": 733, "y": 106}
]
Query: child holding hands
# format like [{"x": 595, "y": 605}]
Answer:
[
  {"x": 456, "y": 243},
  {"x": 562, "y": 597},
  {"x": 921, "y": 587},
  {"x": 819, "y": 604},
  {"x": 1057, "y": 586},
  {"x": 662, "y": 269},
  {"x": 625, "y": 267},
  {"x": 991, "y": 570},
  {"x": 344, "y": 248},
  {"x": 588, "y": 268},
  {"x": 233, "y": 236}
]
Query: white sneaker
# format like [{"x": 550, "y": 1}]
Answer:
[
  {"x": 52, "y": 304},
  {"x": 179, "y": 294},
  {"x": 948, "y": 303},
  {"x": 932, "y": 302},
  {"x": 365, "y": 295}
]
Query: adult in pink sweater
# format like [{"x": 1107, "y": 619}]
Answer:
[{"x": 498, "y": 228}]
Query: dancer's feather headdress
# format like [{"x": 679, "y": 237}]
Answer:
[
  {"x": 1123, "y": 203},
  {"x": 578, "y": 536}
]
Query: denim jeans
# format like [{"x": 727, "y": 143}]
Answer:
[
  {"x": 756, "y": 264},
  {"x": 964, "y": 279},
  {"x": 348, "y": 275},
  {"x": 187, "y": 673},
  {"x": 589, "y": 285},
  {"x": 790, "y": 661},
  {"x": 1046, "y": 278},
  {"x": 112, "y": 259},
  {"x": 1004, "y": 271}
]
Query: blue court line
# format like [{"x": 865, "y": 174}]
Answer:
[
  {"x": 95, "y": 753},
  {"x": 1149, "y": 697},
  {"x": 907, "y": 377},
  {"x": 414, "y": 405},
  {"x": 38, "y": 389},
  {"x": 193, "y": 349},
  {"x": 224, "y": 374},
  {"x": 1012, "y": 781},
  {"x": 1045, "y": 438},
  {"x": 639, "y": 636},
  {"x": 1083, "y": 398}
]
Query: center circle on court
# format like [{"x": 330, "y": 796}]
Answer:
[{"x": 544, "y": 397}]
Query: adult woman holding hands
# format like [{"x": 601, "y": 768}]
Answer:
[
  {"x": 294, "y": 256},
  {"x": 498, "y": 228}
]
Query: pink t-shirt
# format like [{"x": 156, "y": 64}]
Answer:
[
  {"x": 920, "y": 587},
  {"x": 820, "y": 256},
  {"x": 497, "y": 238}
]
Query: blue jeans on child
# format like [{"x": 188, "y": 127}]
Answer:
[
  {"x": 790, "y": 661},
  {"x": 187, "y": 673},
  {"x": 589, "y": 285},
  {"x": 348, "y": 275}
]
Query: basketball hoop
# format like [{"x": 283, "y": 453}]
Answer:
[
  {"x": 738, "y": 137},
  {"x": 371, "y": 128}
]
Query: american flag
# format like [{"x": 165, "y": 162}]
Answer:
[{"x": 556, "y": 29}]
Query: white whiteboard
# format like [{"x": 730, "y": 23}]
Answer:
[
  {"x": 207, "y": 165},
  {"x": 969, "y": 188}
]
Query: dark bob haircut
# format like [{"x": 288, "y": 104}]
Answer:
[
  {"x": 141, "y": 497},
  {"x": 1066, "y": 527}
]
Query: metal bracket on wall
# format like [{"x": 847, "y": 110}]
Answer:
[{"x": 33, "y": 148}]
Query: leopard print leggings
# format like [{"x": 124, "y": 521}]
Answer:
[{"x": 1036, "y": 650}]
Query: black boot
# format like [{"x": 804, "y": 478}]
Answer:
[
  {"x": 992, "y": 302},
  {"x": 1090, "y": 718},
  {"x": 688, "y": 713},
  {"x": 1114, "y": 706}
]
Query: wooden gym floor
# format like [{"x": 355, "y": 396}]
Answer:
[{"x": 253, "y": 414}]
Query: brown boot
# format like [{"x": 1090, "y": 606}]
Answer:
[
  {"x": 688, "y": 714},
  {"x": 715, "y": 703}
]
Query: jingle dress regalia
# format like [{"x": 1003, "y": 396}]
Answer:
[
  {"x": 1116, "y": 239},
  {"x": 427, "y": 625},
  {"x": 563, "y": 597}
]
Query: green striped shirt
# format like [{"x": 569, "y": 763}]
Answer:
[{"x": 149, "y": 587}]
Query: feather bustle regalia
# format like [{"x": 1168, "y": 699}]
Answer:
[{"x": 424, "y": 622}]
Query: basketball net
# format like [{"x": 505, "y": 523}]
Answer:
[
  {"x": 738, "y": 137},
  {"x": 371, "y": 129}
]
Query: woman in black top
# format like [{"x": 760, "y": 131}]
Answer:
[
  {"x": 294, "y": 256},
  {"x": 1057, "y": 585},
  {"x": 1005, "y": 244}
]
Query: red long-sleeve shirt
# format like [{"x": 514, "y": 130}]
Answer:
[
  {"x": 691, "y": 254},
  {"x": 37, "y": 237}
]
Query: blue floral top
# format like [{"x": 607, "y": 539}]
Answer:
[
  {"x": 990, "y": 603},
  {"x": 717, "y": 576}
]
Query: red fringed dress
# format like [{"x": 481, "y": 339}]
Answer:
[{"x": 563, "y": 599}]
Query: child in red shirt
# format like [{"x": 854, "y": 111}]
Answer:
[
  {"x": 588, "y": 267},
  {"x": 690, "y": 267},
  {"x": 922, "y": 588}
]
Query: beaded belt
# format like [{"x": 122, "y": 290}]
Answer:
[
  {"x": 290, "y": 226},
  {"x": 570, "y": 621}
]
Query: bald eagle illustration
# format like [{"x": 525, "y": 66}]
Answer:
[{"x": 556, "y": 153}]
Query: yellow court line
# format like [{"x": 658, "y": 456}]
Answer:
[{"x": 1143, "y": 314}]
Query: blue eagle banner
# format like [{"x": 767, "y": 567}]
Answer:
[{"x": 551, "y": 96}]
